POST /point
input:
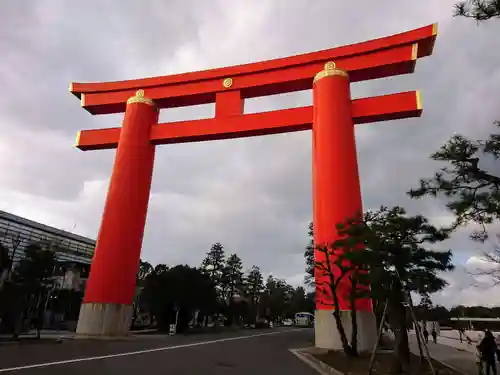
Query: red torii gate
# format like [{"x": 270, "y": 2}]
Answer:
[{"x": 107, "y": 305}]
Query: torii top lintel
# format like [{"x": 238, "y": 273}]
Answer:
[{"x": 372, "y": 59}]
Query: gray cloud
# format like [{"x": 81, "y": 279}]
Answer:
[{"x": 253, "y": 195}]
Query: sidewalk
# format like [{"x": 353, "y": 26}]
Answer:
[
  {"x": 460, "y": 359},
  {"x": 455, "y": 343},
  {"x": 50, "y": 335},
  {"x": 55, "y": 334}
]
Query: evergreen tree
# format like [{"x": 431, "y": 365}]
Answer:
[
  {"x": 396, "y": 252},
  {"x": 145, "y": 269},
  {"x": 471, "y": 191},
  {"x": 276, "y": 297},
  {"x": 159, "y": 270},
  {"x": 422, "y": 311},
  {"x": 254, "y": 287},
  {"x": 180, "y": 289},
  {"x": 338, "y": 280},
  {"x": 309, "y": 257},
  {"x": 480, "y": 10},
  {"x": 5, "y": 264},
  {"x": 233, "y": 276},
  {"x": 426, "y": 301},
  {"x": 231, "y": 289},
  {"x": 34, "y": 276},
  {"x": 254, "y": 284},
  {"x": 213, "y": 266},
  {"x": 298, "y": 302}
]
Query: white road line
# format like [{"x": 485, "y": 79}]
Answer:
[{"x": 86, "y": 359}]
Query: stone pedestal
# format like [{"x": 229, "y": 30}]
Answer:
[
  {"x": 327, "y": 335},
  {"x": 104, "y": 320}
]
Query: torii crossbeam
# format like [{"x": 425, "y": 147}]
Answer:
[{"x": 337, "y": 196}]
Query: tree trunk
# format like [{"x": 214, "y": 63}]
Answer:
[
  {"x": 38, "y": 315},
  {"x": 354, "y": 319},
  {"x": 354, "y": 332},
  {"x": 380, "y": 328},
  {"x": 397, "y": 319},
  {"x": 134, "y": 314},
  {"x": 379, "y": 308},
  {"x": 17, "y": 325},
  {"x": 340, "y": 327},
  {"x": 343, "y": 337},
  {"x": 419, "y": 342},
  {"x": 417, "y": 333}
]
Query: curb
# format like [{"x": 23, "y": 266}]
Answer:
[
  {"x": 449, "y": 366},
  {"x": 314, "y": 363},
  {"x": 59, "y": 339},
  {"x": 54, "y": 340},
  {"x": 101, "y": 338},
  {"x": 304, "y": 354}
]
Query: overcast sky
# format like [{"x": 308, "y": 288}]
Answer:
[{"x": 253, "y": 195}]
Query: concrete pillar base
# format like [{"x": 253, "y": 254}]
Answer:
[
  {"x": 327, "y": 335},
  {"x": 104, "y": 320}
]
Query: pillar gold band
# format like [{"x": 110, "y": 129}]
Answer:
[
  {"x": 139, "y": 98},
  {"x": 330, "y": 70}
]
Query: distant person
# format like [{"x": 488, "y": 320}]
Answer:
[
  {"x": 426, "y": 335},
  {"x": 488, "y": 351},
  {"x": 434, "y": 335}
]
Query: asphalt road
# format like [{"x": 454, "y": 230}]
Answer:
[{"x": 249, "y": 352}]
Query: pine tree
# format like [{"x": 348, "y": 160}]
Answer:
[
  {"x": 231, "y": 282},
  {"x": 298, "y": 302},
  {"x": 340, "y": 269},
  {"x": 397, "y": 253},
  {"x": 35, "y": 276},
  {"x": 480, "y": 10},
  {"x": 254, "y": 285},
  {"x": 5, "y": 264},
  {"x": 276, "y": 297},
  {"x": 472, "y": 193},
  {"x": 145, "y": 269},
  {"x": 233, "y": 276},
  {"x": 213, "y": 264},
  {"x": 426, "y": 301},
  {"x": 424, "y": 307},
  {"x": 309, "y": 257}
]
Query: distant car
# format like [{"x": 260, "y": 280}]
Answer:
[{"x": 288, "y": 322}]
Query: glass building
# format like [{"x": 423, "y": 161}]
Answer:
[
  {"x": 17, "y": 232},
  {"x": 73, "y": 255}
]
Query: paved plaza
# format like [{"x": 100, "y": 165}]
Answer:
[{"x": 460, "y": 359}]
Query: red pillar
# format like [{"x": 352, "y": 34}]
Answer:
[
  {"x": 336, "y": 188},
  {"x": 116, "y": 259}
]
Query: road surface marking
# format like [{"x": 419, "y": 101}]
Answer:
[
  {"x": 314, "y": 363},
  {"x": 86, "y": 359}
]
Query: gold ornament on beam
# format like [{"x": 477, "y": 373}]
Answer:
[{"x": 227, "y": 83}]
